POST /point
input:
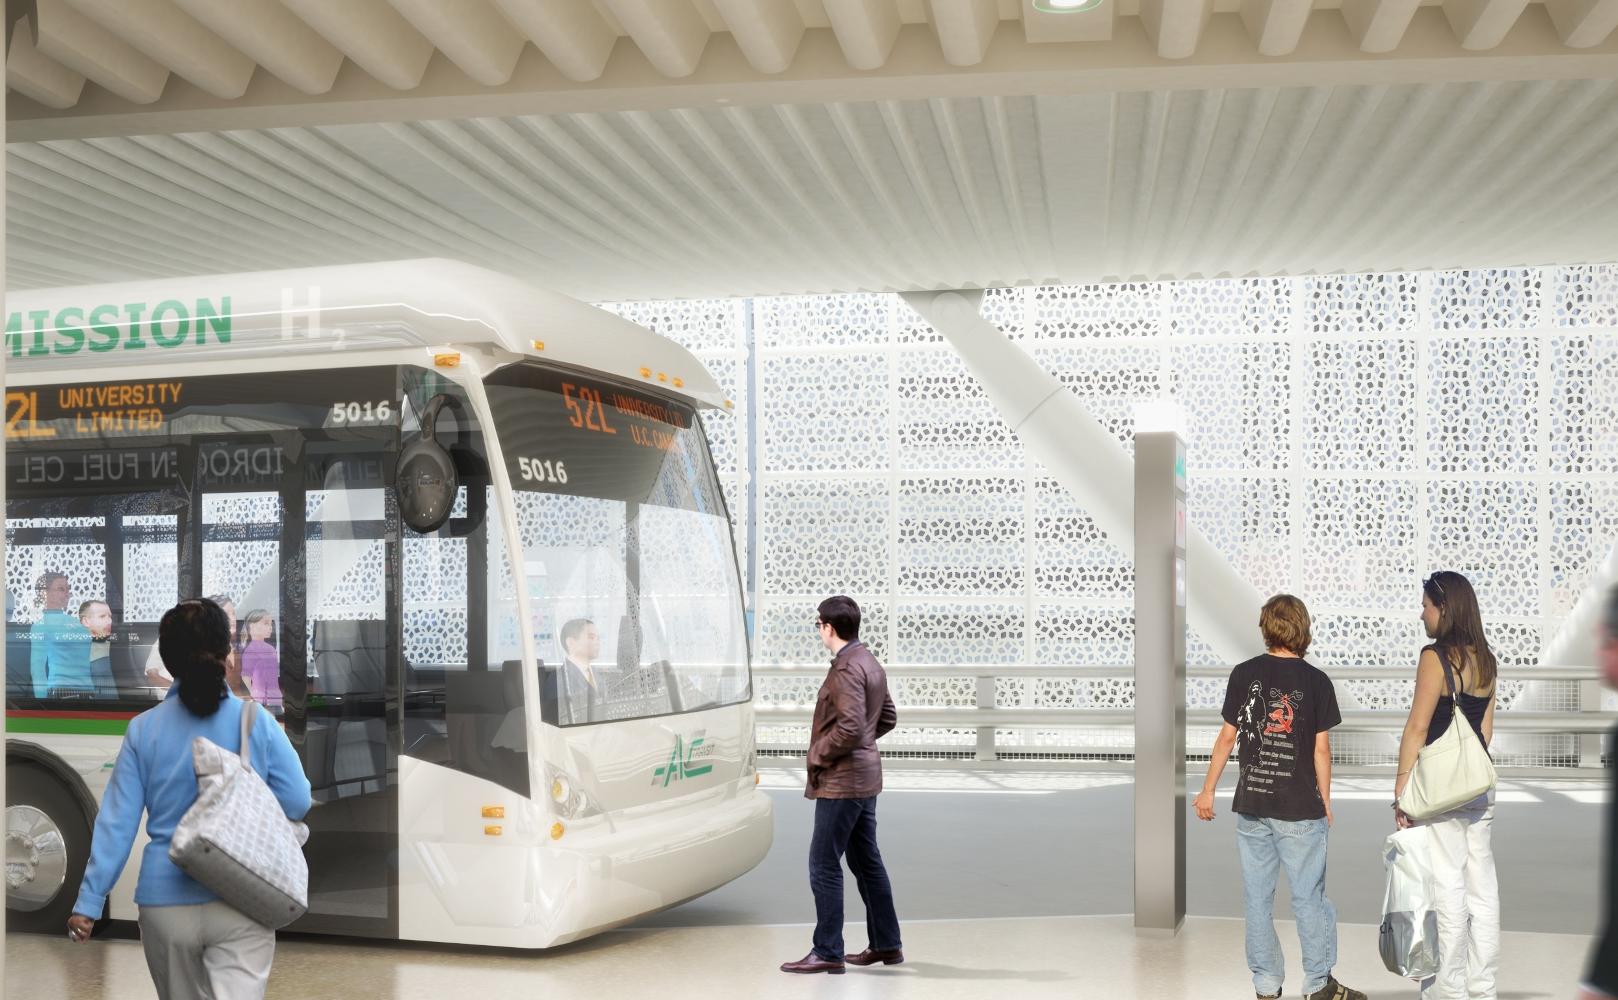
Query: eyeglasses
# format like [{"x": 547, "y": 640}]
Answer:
[
  {"x": 1432, "y": 581},
  {"x": 821, "y": 624}
]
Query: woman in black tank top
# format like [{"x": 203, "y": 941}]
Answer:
[{"x": 1456, "y": 665}]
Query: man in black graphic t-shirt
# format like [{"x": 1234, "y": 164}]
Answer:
[{"x": 1278, "y": 710}]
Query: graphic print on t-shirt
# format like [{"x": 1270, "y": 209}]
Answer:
[{"x": 1269, "y": 752}]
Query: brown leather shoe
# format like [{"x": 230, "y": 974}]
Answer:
[
  {"x": 812, "y": 963},
  {"x": 871, "y": 956}
]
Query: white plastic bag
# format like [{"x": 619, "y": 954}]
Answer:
[{"x": 1409, "y": 938}]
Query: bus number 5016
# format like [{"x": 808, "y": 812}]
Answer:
[{"x": 536, "y": 471}]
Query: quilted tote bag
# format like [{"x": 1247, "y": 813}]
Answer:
[
  {"x": 1451, "y": 771},
  {"x": 237, "y": 841}
]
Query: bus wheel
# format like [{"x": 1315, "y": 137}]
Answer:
[{"x": 47, "y": 847}]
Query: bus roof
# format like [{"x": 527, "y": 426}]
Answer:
[{"x": 432, "y": 303}]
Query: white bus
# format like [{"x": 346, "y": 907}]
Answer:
[{"x": 480, "y": 564}]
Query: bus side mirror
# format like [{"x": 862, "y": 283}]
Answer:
[{"x": 427, "y": 482}]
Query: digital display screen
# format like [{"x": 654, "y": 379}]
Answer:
[
  {"x": 574, "y": 434},
  {"x": 133, "y": 435},
  {"x": 106, "y": 410}
]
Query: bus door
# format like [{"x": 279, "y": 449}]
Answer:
[
  {"x": 340, "y": 588},
  {"x": 292, "y": 532}
]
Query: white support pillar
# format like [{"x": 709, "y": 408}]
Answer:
[
  {"x": 1089, "y": 462},
  {"x": 1160, "y": 599}
]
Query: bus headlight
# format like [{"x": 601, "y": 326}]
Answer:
[{"x": 565, "y": 795}]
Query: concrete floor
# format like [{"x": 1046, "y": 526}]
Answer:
[
  {"x": 1005, "y": 883},
  {"x": 1068, "y": 957},
  {"x": 1020, "y": 845}
]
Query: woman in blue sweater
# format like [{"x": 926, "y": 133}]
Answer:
[{"x": 195, "y": 944}]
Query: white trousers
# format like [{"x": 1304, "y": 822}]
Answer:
[
  {"x": 206, "y": 952},
  {"x": 1468, "y": 903}
]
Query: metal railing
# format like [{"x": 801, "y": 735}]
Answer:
[{"x": 986, "y": 717}]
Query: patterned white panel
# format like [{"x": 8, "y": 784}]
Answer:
[
  {"x": 961, "y": 536},
  {"x": 1079, "y": 636},
  {"x": 1360, "y": 408},
  {"x": 825, "y": 413},
  {"x": 1584, "y": 394},
  {"x": 977, "y": 633},
  {"x": 249, "y": 573},
  {"x": 241, "y": 508},
  {"x": 435, "y": 636},
  {"x": 824, "y": 320},
  {"x": 151, "y": 570},
  {"x": 1072, "y": 558},
  {"x": 1587, "y": 295},
  {"x": 1360, "y": 544},
  {"x": 945, "y": 421},
  {"x": 933, "y": 692},
  {"x": 1064, "y": 692},
  {"x": 85, "y": 566},
  {"x": 688, "y": 586},
  {"x": 1483, "y": 408},
  {"x": 1237, "y": 400},
  {"x": 1486, "y": 531},
  {"x": 1249, "y": 520},
  {"x": 1584, "y": 528},
  {"x": 1232, "y": 307},
  {"x": 1007, "y": 309},
  {"x": 787, "y": 633},
  {"x": 1082, "y": 312},
  {"x": 1359, "y": 304},
  {"x": 1355, "y": 642},
  {"x": 1506, "y": 298},
  {"x": 825, "y": 537},
  {"x": 698, "y": 325},
  {"x": 1236, "y": 353},
  {"x": 1112, "y": 381}
]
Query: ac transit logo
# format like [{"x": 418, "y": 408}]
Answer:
[{"x": 683, "y": 760}]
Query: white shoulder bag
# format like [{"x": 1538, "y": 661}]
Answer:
[
  {"x": 1452, "y": 770},
  {"x": 236, "y": 840}
]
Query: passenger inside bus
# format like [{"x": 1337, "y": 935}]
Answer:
[
  {"x": 580, "y": 695},
  {"x": 59, "y": 659},
  {"x": 96, "y": 617},
  {"x": 158, "y": 676},
  {"x": 261, "y": 663}
]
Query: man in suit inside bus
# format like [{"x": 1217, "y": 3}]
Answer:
[
  {"x": 579, "y": 695},
  {"x": 845, "y": 776},
  {"x": 1601, "y": 979}
]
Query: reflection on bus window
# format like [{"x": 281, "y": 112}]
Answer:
[
  {"x": 60, "y": 656},
  {"x": 627, "y": 557},
  {"x": 261, "y": 663}
]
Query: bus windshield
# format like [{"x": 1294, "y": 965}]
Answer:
[{"x": 627, "y": 555}]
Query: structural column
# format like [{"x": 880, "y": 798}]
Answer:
[{"x": 1160, "y": 534}]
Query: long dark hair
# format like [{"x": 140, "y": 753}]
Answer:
[
  {"x": 1460, "y": 623},
  {"x": 194, "y": 641}
]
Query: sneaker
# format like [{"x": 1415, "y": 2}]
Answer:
[
  {"x": 1333, "y": 990},
  {"x": 1269, "y": 996}
]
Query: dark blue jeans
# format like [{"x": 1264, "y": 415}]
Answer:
[{"x": 848, "y": 826}]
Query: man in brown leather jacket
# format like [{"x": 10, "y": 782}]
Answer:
[{"x": 845, "y": 776}]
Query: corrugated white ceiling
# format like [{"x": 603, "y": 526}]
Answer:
[
  {"x": 858, "y": 196},
  {"x": 62, "y": 50}
]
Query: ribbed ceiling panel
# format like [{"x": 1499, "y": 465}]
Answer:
[
  {"x": 218, "y": 46},
  {"x": 860, "y": 196}
]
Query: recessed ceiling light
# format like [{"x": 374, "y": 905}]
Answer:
[{"x": 1066, "y": 6}]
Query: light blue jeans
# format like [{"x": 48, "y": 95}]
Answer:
[{"x": 1267, "y": 846}]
